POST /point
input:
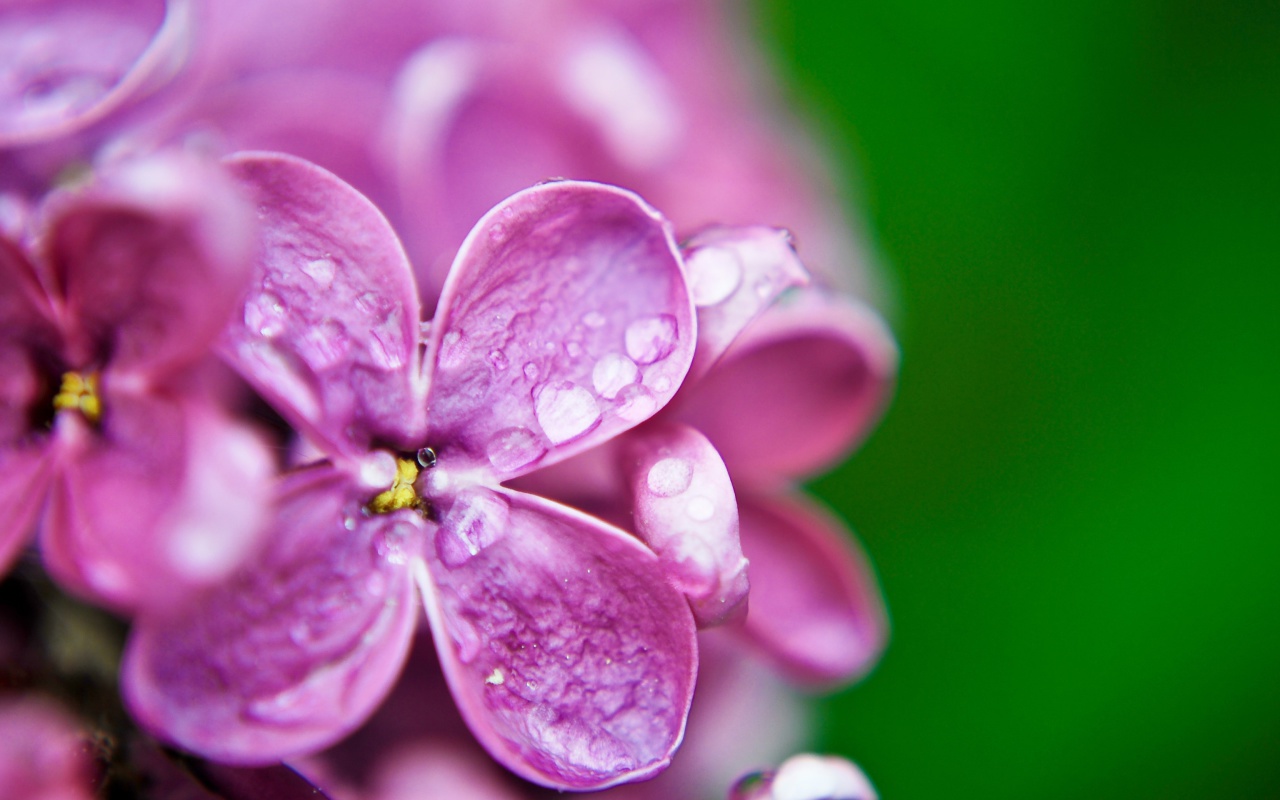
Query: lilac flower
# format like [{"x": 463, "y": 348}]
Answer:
[
  {"x": 569, "y": 656},
  {"x": 107, "y": 310},
  {"x": 807, "y": 777},
  {"x": 46, "y": 755}
]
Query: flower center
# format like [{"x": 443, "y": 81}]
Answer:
[
  {"x": 402, "y": 493},
  {"x": 79, "y": 392}
]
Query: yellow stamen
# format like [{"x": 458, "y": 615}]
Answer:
[
  {"x": 401, "y": 494},
  {"x": 79, "y": 392}
]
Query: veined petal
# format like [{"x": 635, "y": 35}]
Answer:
[
  {"x": 168, "y": 498},
  {"x": 565, "y": 321},
  {"x": 329, "y": 330},
  {"x": 298, "y": 648},
  {"x": 797, "y": 391},
  {"x": 150, "y": 260},
  {"x": 734, "y": 275},
  {"x": 569, "y": 655},
  {"x": 816, "y": 608},
  {"x": 684, "y": 508},
  {"x": 69, "y": 63}
]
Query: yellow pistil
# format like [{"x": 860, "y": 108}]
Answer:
[
  {"x": 401, "y": 494},
  {"x": 79, "y": 392}
]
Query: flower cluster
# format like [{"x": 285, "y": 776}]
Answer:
[{"x": 360, "y": 402}]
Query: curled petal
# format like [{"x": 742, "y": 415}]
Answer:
[
  {"x": 171, "y": 497},
  {"x": 150, "y": 261},
  {"x": 816, "y": 608},
  {"x": 734, "y": 275},
  {"x": 796, "y": 391},
  {"x": 569, "y": 655},
  {"x": 68, "y": 64},
  {"x": 296, "y": 650},
  {"x": 565, "y": 321},
  {"x": 684, "y": 508},
  {"x": 329, "y": 329}
]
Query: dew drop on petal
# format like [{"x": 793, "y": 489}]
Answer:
[
  {"x": 453, "y": 350},
  {"x": 513, "y": 448},
  {"x": 613, "y": 372},
  {"x": 593, "y": 319},
  {"x": 651, "y": 339},
  {"x": 392, "y": 543},
  {"x": 636, "y": 403},
  {"x": 565, "y": 411},
  {"x": 700, "y": 509},
  {"x": 320, "y": 270},
  {"x": 530, "y": 370},
  {"x": 477, "y": 519},
  {"x": 499, "y": 359},
  {"x": 465, "y": 638},
  {"x": 265, "y": 314},
  {"x": 670, "y": 476},
  {"x": 714, "y": 274},
  {"x": 572, "y": 349}
]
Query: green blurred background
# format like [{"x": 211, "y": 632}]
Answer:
[{"x": 1073, "y": 502}]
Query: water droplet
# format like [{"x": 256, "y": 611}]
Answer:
[
  {"x": 477, "y": 519},
  {"x": 636, "y": 403},
  {"x": 265, "y": 314},
  {"x": 499, "y": 359},
  {"x": 670, "y": 476},
  {"x": 700, "y": 509},
  {"x": 611, "y": 373},
  {"x": 513, "y": 448},
  {"x": 320, "y": 270},
  {"x": 508, "y": 212},
  {"x": 531, "y": 371},
  {"x": 349, "y": 521},
  {"x": 714, "y": 274},
  {"x": 651, "y": 339},
  {"x": 661, "y": 384},
  {"x": 593, "y": 319},
  {"x": 465, "y": 638},
  {"x": 573, "y": 349},
  {"x": 392, "y": 543},
  {"x": 496, "y": 232},
  {"x": 453, "y": 350},
  {"x": 324, "y": 346},
  {"x": 426, "y": 458},
  {"x": 565, "y": 411}
]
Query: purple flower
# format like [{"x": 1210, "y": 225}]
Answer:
[
  {"x": 107, "y": 311},
  {"x": 566, "y": 651}
]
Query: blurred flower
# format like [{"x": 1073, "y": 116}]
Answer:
[
  {"x": 107, "y": 311},
  {"x": 46, "y": 755},
  {"x": 567, "y": 652}
]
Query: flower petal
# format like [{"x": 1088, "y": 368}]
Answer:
[
  {"x": 565, "y": 321},
  {"x": 25, "y": 473},
  {"x": 816, "y": 608},
  {"x": 329, "y": 330},
  {"x": 151, "y": 259},
  {"x": 797, "y": 391},
  {"x": 734, "y": 275},
  {"x": 684, "y": 509},
  {"x": 569, "y": 655},
  {"x": 71, "y": 62},
  {"x": 298, "y": 648},
  {"x": 169, "y": 497}
]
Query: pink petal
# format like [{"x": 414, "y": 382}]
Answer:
[
  {"x": 46, "y": 753},
  {"x": 329, "y": 330},
  {"x": 169, "y": 497},
  {"x": 25, "y": 311},
  {"x": 734, "y": 275},
  {"x": 151, "y": 260},
  {"x": 816, "y": 608},
  {"x": 298, "y": 648},
  {"x": 69, "y": 63},
  {"x": 565, "y": 321},
  {"x": 797, "y": 391},
  {"x": 439, "y": 769},
  {"x": 569, "y": 655},
  {"x": 685, "y": 511}
]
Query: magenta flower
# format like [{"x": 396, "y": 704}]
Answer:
[
  {"x": 46, "y": 755},
  {"x": 148, "y": 489},
  {"x": 567, "y": 652}
]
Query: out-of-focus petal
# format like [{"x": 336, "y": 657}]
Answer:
[
  {"x": 25, "y": 473},
  {"x": 815, "y": 608},
  {"x": 297, "y": 649},
  {"x": 734, "y": 275},
  {"x": 150, "y": 261},
  {"x": 439, "y": 769},
  {"x": 69, "y": 63},
  {"x": 329, "y": 329},
  {"x": 170, "y": 497},
  {"x": 46, "y": 754},
  {"x": 565, "y": 321},
  {"x": 807, "y": 777},
  {"x": 685, "y": 510},
  {"x": 569, "y": 655},
  {"x": 812, "y": 376},
  {"x": 25, "y": 311}
]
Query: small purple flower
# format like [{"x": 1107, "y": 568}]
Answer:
[
  {"x": 107, "y": 312},
  {"x": 567, "y": 652}
]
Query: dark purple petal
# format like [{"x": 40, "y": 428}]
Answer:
[
  {"x": 565, "y": 321},
  {"x": 167, "y": 498},
  {"x": 797, "y": 391},
  {"x": 25, "y": 473},
  {"x": 329, "y": 330},
  {"x": 684, "y": 509},
  {"x": 569, "y": 655},
  {"x": 150, "y": 260},
  {"x": 298, "y": 648},
  {"x": 69, "y": 63},
  {"x": 816, "y": 608}
]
